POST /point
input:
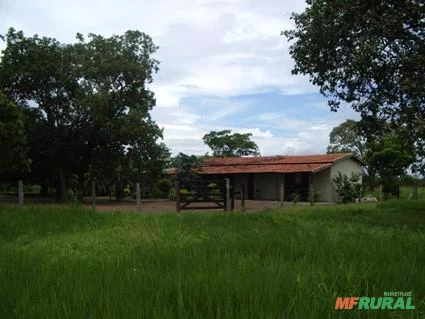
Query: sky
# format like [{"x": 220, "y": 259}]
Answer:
[{"x": 223, "y": 65}]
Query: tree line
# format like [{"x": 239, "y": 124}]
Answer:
[{"x": 74, "y": 112}]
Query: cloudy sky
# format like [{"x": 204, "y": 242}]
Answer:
[{"x": 223, "y": 65}]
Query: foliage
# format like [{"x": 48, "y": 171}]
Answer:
[
  {"x": 172, "y": 194},
  {"x": 163, "y": 186},
  {"x": 295, "y": 198},
  {"x": 225, "y": 144},
  {"x": 369, "y": 54},
  {"x": 313, "y": 195},
  {"x": 347, "y": 138},
  {"x": 186, "y": 166},
  {"x": 87, "y": 106},
  {"x": 204, "y": 265},
  {"x": 391, "y": 158},
  {"x": 347, "y": 188},
  {"x": 14, "y": 161}
]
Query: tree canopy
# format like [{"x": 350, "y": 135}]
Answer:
[
  {"x": 385, "y": 153},
  {"x": 223, "y": 143},
  {"x": 87, "y": 105},
  {"x": 346, "y": 137},
  {"x": 369, "y": 54},
  {"x": 186, "y": 166},
  {"x": 13, "y": 141}
]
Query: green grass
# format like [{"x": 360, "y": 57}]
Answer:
[
  {"x": 405, "y": 192},
  {"x": 71, "y": 263}
]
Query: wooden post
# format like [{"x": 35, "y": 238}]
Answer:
[
  {"x": 93, "y": 194},
  {"x": 20, "y": 192},
  {"x": 242, "y": 197},
  {"x": 228, "y": 203},
  {"x": 282, "y": 195},
  {"x": 178, "y": 197},
  {"x": 138, "y": 198}
]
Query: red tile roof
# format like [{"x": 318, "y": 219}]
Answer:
[{"x": 272, "y": 164}]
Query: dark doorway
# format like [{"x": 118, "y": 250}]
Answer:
[{"x": 297, "y": 183}]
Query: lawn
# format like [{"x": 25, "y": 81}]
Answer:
[{"x": 58, "y": 262}]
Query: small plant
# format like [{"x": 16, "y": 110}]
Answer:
[
  {"x": 127, "y": 190},
  {"x": 295, "y": 198},
  {"x": 172, "y": 194},
  {"x": 313, "y": 196},
  {"x": 185, "y": 194}
]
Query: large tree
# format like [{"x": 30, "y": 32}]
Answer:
[
  {"x": 385, "y": 153},
  {"x": 346, "y": 137},
  {"x": 369, "y": 54},
  {"x": 89, "y": 102},
  {"x": 223, "y": 143},
  {"x": 14, "y": 161}
]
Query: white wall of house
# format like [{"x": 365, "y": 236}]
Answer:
[
  {"x": 345, "y": 166},
  {"x": 323, "y": 185}
]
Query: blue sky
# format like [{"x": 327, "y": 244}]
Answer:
[{"x": 223, "y": 65}]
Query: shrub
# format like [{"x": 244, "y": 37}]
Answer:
[
  {"x": 164, "y": 186},
  {"x": 295, "y": 198},
  {"x": 172, "y": 194},
  {"x": 347, "y": 188},
  {"x": 313, "y": 196}
]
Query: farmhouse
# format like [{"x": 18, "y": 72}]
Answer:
[{"x": 261, "y": 177}]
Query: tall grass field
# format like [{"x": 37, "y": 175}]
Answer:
[{"x": 58, "y": 262}]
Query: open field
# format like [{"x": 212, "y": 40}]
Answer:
[{"x": 58, "y": 262}]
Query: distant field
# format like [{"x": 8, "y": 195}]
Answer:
[
  {"x": 60, "y": 262},
  {"x": 405, "y": 192}
]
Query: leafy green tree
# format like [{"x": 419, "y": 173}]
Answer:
[
  {"x": 391, "y": 158},
  {"x": 14, "y": 161},
  {"x": 89, "y": 100},
  {"x": 347, "y": 137},
  {"x": 186, "y": 166},
  {"x": 369, "y": 54},
  {"x": 223, "y": 143}
]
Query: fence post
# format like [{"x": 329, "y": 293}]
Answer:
[
  {"x": 93, "y": 194},
  {"x": 178, "y": 197},
  {"x": 282, "y": 195},
  {"x": 242, "y": 197},
  {"x": 138, "y": 198},
  {"x": 228, "y": 203},
  {"x": 20, "y": 192}
]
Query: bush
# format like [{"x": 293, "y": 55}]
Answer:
[
  {"x": 347, "y": 188},
  {"x": 295, "y": 198},
  {"x": 172, "y": 194},
  {"x": 158, "y": 193},
  {"x": 313, "y": 196},
  {"x": 163, "y": 186},
  {"x": 185, "y": 194}
]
